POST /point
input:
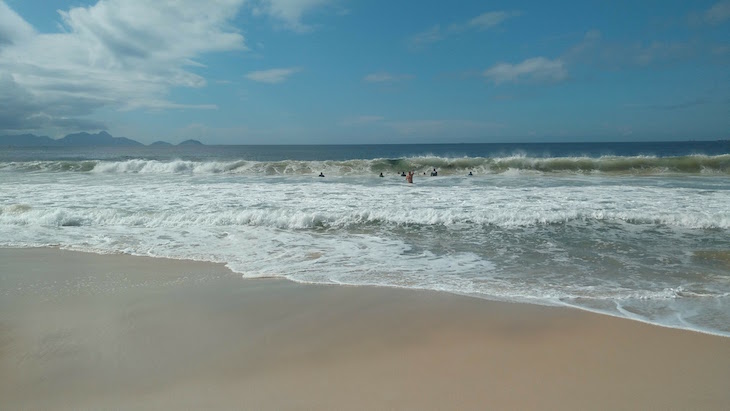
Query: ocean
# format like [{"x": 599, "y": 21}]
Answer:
[{"x": 635, "y": 230}]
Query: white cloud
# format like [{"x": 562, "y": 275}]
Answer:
[
  {"x": 534, "y": 69},
  {"x": 289, "y": 12},
  {"x": 384, "y": 77},
  {"x": 593, "y": 49},
  {"x": 12, "y": 27},
  {"x": 590, "y": 41},
  {"x": 718, "y": 13},
  {"x": 481, "y": 22},
  {"x": 122, "y": 54},
  {"x": 491, "y": 19},
  {"x": 272, "y": 76},
  {"x": 644, "y": 55},
  {"x": 431, "y": 35}
]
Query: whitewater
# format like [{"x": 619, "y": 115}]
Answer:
[{"x": 643, "y": 234}]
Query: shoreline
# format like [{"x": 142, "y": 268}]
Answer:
[
  {"x": 378, "y": 286},
  {"x": 84, "y": 330}
]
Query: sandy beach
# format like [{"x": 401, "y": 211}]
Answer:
[{"x": 86, "y": 331}]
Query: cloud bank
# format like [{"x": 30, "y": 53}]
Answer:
[{"x": 122, "y": 54}]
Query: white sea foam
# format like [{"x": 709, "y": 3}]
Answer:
[
  {"x": 303, "y": 219},
  {"x": 615, "y": 244}
]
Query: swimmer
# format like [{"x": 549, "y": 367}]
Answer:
[
  {"x": 381, "y": 175},
  {"x": 403, "y": 174},
  {"x": 470, "y": 173},
  {"x": 409, "y": 177}
]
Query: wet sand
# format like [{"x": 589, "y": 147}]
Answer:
[{"x": 86, "y": 331}]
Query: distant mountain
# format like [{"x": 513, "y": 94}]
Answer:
[
  {"x": 190, "y": 143},
  {"x": 101, "y": 139}
]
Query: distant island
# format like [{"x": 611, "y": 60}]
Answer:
[{"x": 101, "y": 139}]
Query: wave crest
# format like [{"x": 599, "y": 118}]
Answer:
[
  {"x": 636, "y": 165},
  {"x": 299, "y": 219}
]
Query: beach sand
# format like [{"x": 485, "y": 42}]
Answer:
[{"x": 86, "y": 331}]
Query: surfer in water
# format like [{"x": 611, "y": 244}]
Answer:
[{"x": 321, "y": 174}]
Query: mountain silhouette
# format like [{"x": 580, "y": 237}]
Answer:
[{"x": 100, "y": 139}]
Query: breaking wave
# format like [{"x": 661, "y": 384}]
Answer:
[
  {"x": 23, "y": 215},
  {"x": 634, "y": 165}
]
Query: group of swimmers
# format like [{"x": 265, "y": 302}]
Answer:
[
  {"x": 434, "y": 173},
  {"x": 409, "y": 176}
]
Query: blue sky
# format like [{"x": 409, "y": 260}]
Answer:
[{"x": 346, "y": 71}]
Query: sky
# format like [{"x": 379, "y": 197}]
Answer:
[{"x": 366, "y": 71}]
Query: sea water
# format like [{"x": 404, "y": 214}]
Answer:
[{"x": 636, "y": 230}]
